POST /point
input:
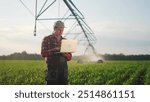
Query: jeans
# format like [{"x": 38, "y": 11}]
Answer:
[{"x": 57, "y": 70}]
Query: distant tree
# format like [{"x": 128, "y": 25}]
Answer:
[
  {"x": 25, "y": 56},
  {"x": 21, "y": 56}
]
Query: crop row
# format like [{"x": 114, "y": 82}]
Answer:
[{"x": 108, "y": 73}]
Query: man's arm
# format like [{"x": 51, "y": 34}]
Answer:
[{"x": 44, "y": 48}]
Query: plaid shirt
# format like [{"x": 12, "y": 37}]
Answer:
[{"x": 51, "y": 44}]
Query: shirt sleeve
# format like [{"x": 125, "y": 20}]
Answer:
[{"x": 44, "y": 48}]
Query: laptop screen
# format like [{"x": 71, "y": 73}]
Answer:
[{"x": 68, "y": 46}]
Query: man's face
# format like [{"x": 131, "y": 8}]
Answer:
[{"x": 59, "y": 31}]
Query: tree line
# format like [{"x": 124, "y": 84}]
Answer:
[
  {"x": 126, "y": 57},
  {"x": 21, "y": 56},
  {"x": 26, "y": 56}
]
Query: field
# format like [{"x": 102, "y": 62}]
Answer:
[{"x": 29, "y": 72}]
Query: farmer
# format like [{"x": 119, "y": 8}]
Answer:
[{"x": 57, "y": 68}]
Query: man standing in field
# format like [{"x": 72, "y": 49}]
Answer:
[{"x": 57, "y": 68}]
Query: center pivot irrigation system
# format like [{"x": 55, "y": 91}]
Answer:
[{"x": 75, "y": 14}]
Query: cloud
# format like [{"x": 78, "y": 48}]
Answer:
[
  {"x": 16, "y": 38},
  {"x": 120, "y": 37},
  {"x": 121, "y": 30}
]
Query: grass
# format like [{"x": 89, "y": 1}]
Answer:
[{"x": 29, "y": 72}]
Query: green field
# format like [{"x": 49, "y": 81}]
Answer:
[{"x": 30, "y": 72}]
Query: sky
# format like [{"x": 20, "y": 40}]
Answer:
[{"x": 120, "y": 26}]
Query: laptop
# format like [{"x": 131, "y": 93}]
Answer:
[{"x": 68, "y": 46}]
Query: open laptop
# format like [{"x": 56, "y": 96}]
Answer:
[{"x": 68, "y": 46}]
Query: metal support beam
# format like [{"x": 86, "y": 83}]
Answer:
[
  {"x": 75, "y": 15},
  {"x": 35, "y": 18}
]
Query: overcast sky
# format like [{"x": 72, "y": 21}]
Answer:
[{"x": 121, "y": 26}]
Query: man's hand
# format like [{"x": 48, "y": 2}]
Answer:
[
  {"x": 55, "y": 49},
  {"x": 68, "y": 56}
]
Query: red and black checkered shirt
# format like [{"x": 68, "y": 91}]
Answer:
[{"x": 51, "y": 44}]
